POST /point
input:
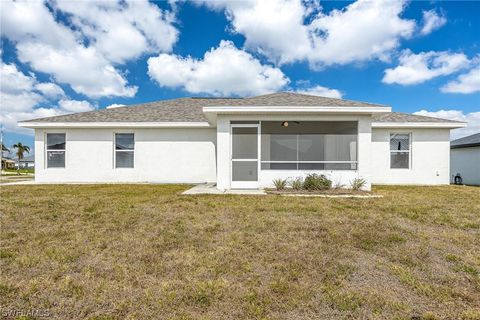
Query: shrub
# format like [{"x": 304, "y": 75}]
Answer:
[
  {"x": 358, "y": 183},
  {"x": 296, "y": 183},
  {"x": 316, "y": 182},
  {"x": 280, "y": 184}
]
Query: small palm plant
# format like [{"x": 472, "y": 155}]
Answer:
[
  {"x": 21, "y": 149},
  {"x": 280, "y": 184},
  {"x": 358, "y": 183}
]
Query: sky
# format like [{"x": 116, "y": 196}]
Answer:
[{"x": 68, "y": 56}]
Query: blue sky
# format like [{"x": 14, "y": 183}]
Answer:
[{"x": 63, "y": 56}]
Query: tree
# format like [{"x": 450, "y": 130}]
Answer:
[
  {"x": 21, "y": 149},
  {"x": 5, "y": 148}
]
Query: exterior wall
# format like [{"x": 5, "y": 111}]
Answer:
[
  {"x": 429, "y": 157},
  {"x": 466, "y": 162},
  {"x": 161, "y": 155},
  {"x": 266, "y": 177}
]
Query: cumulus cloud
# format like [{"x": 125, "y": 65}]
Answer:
[
  {"x": 50, "y": 90},
  {"x": 85, "y": 49},
  {"x": 22, "y": 97},
  {"x": 472, "y": 119},
  {"x": 417, "y": 68},
  {"x": 432, "y": 21},
  {"x": 292, "y": 30},
  {"x": 465, "y": 83},
  {"x": 321, "y": 91},
  {"x": 223, "y": 71}
]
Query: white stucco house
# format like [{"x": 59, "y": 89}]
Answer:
[
  {"x": 243, "y": 142},
  {"x": 465, "y": 159}
]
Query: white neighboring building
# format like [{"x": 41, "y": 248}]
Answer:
[
  {"x": 243, "y": 142},
  {"x": 465, "y": 159}
]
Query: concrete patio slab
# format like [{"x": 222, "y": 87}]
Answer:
[{"x": 211, "y": 188}]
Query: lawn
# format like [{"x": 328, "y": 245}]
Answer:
[{"x": 144, "y": 251}]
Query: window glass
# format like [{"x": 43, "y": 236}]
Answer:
[
  {"x": 399, "y": 160},
  {"x": 56, "y": 144},
  {"x": 124, "y": 159},
  {"x": 124, "y": 150},
  {"x": 55, "y": 141},
  {"x": 400, "y": 151},
  {"x": 55, "y": 159},
  {"x": 399, "y": 142},
  {"x": 124, "y": 141}
]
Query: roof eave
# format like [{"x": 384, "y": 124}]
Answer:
[
  {"x": 212, "y": 112},
  {"x": 132, "y": 124},
  {"x": 444, "y": 125}
]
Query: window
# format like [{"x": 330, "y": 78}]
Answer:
[
  {"x": 124, "y": 150},
  {"x": 309, "y": 145},
  {"x": 399, "y": 151},
  {"x": 56, "y": 143}
]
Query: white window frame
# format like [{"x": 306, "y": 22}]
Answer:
[
  {"x": 129, "y": 150},
  {"x": 409, "y": 151},
  {"x": 58, "y": 150}
]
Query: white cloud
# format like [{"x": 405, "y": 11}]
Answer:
[
  {"x": 224, "y": 71},
  {"x": 432, "y": 21},
  {"x": 465, "y": 83},
  {"x": 417, "y": 68},
  {"x": 50, "y": 90},
  {"x": 363, "y": 30},
  {"x": 85, "y": 52},
  {"x": 321, "y": 91},
  {"x": 73, "y": 106},
  {"x": 123, "y": 31},
  {"x": 472, "y": 119},
  {"x": 21, "y": 95}
]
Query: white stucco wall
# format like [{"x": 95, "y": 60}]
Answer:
[
  {"x": 266, "y": 177},
  {"x": 430, "y": 157},
  {"x": 161, "y": 155},
  {"x": 466, "y": 162}
]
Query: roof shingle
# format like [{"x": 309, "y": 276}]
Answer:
[
  {"x": 190, "y": 109},
  {"x": 468, "y": 141}
]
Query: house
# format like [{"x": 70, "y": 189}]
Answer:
[
  {"x": 243, "y": 142},
  {"x": 27, "y": 162},
  {"x": 465, "y": 159},
  {"x": 8, "y": 163}
]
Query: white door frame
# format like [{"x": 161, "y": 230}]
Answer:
[{"x": 245, "y": 184}]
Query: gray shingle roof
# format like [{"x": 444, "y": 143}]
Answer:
[
  {"x": 407, "y": 117},
  {"x": 468, "y": 141},
  {"x": 190, "y": 109}
]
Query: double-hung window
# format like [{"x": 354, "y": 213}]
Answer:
[
  {"x": 56, "y": 146},
  {"x": 124, "y": 150},
  {"x": 400, "y": 151}
]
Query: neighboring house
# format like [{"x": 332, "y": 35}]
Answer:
[
  {"x": 465, "y": 159},
  {"x": 27, "y": 162},
  {"x": 243, "y": 142},
  {"x": 8, "y": 163}
]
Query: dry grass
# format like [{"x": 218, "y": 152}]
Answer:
[{"x": 144, "y": 251}]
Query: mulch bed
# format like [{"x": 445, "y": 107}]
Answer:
[{"x": 290, "y": 191}]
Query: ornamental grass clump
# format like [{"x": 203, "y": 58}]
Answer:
[
  {"x": 280, "y": 184},
  {"x": 358, "y": 183},
  {"x": 315, "y": 181},
  {"x": 297, "y": 183}
]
